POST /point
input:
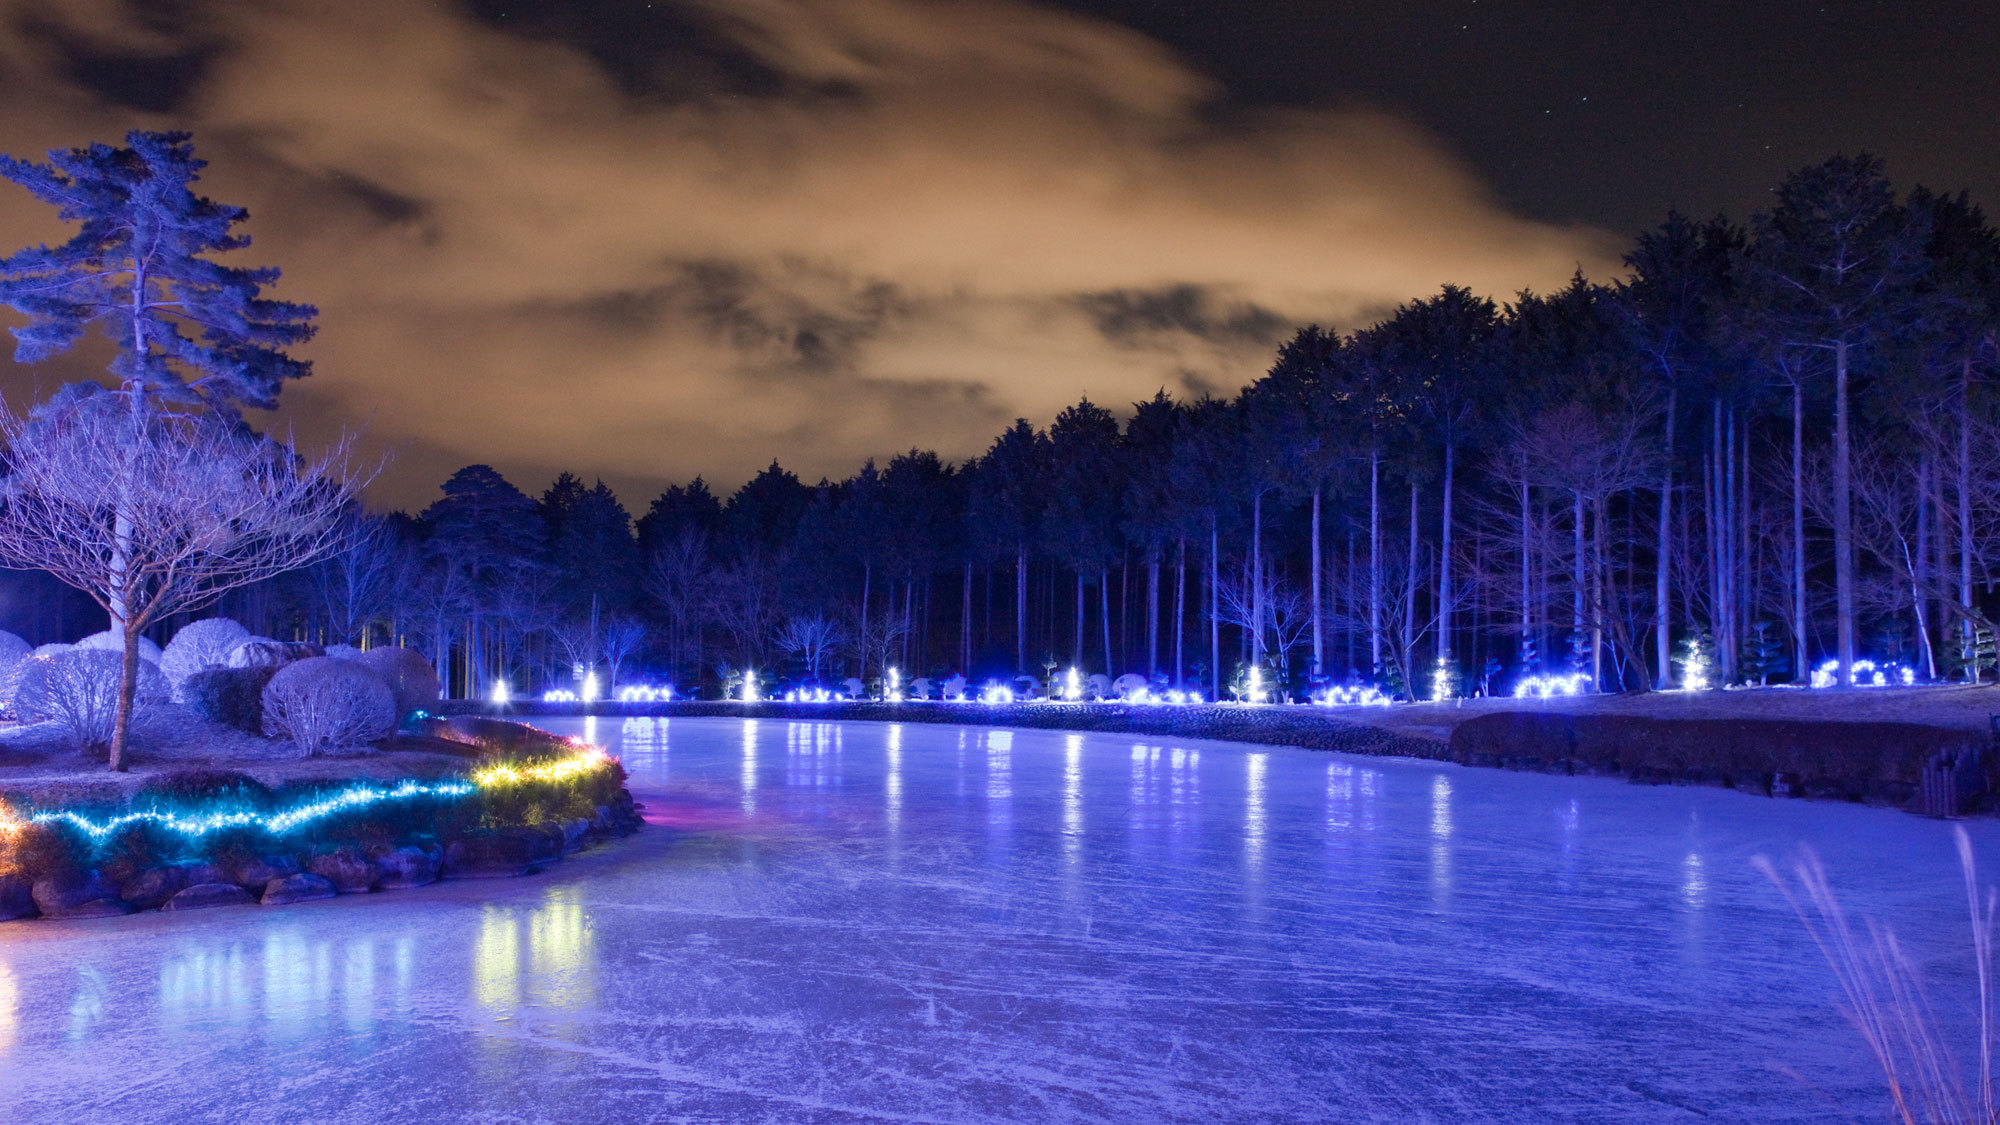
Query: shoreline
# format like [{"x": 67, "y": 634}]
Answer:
[{"x": 1862, "y": 758}]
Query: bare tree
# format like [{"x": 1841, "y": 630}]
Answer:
[
  {"x": 679, "y": 578},
  {"x": 162, "y": 518},
  {"x": 354, "y": 585},
  {"x": 622, "y": 638},
  {"x": 811, "y": 638}
]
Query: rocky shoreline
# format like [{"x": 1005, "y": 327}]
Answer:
[{"x": 54, "y": 871}]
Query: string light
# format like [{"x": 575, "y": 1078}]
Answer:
[
  {"x": 1548, "y": 687},
  {"x": 500, "y": 693},
  {"x": 1866, "y": 674},
  {"x": 1359, "y": 696},
  {"x": 354, "y": 797},
  {"x": 895, "y": 693},
  {"x": 640, "y": 693}
]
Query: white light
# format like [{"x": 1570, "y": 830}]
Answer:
[
  {"x": 559, "y": 695},
  {"x": 640, "y": 693},
  {"x": 590, "y": 690},
  {"x": 1548, "y": 687},
  {"x": 1867, "y": 673},
  {"x": 995, "y": 694},
  {"x": 1444, "y": 680},
  {"x": 750, "y": 686},
  {"x": 500, "y": 693},
  {"x": 1256, "y": 694},
  {"x": 1072, "y": 686},
  {"x": 1360, "y": 696},
  {"x": 895, "y": 686}
]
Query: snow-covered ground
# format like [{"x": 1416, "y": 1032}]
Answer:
[{"x": 872, "y": 922}]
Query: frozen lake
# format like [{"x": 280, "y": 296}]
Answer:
[{"x": 872, "y": 922}]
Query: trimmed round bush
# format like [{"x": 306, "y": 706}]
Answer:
[
  {"x": 52, "y": 649},
  {"x": 408, "y": 674},
  {"x": 79, "y": 690},
  {"x": 342, "y": 652},
  {"x": 322, "y": 704},
  {"x": 233, "y": 697},
  {"x": 13, "y": 649},
  {"x": 200, "y": 644},
  {"x": 112, "y": 641},
  {"x": 267, "y": 653}
]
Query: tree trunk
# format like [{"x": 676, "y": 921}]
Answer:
[
  {"x": 1078, "y": 660},
  {"x": 1214, "y": 606},
  {"x": 1104, "y": 611},
  {"x": 128, "y": 685},
  {"x": 1965, "y": 507},
  {"x": 1444, "y": 556},
  {"x": 1319, "y": 641},
  {"x": 1413, "y": 579},
  {"x": 1021, "y": 608},
  {"x": 965, "y": 623},
  {"x": 1153, "y": 615},
  {"x": 1375, "y": 561},
  {"x": 1180, "y": 612},
  {"x": 1576, "y": 574},
  {"x": 1527, "y": 570},
  {"x": 1843, "y": 519},
  {"x": 1801, "y": 670},
  {"x": 1257, "y": 578},
  {"x": 1663, "y": 555}
]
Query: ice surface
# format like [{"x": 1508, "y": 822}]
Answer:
[{"x": 870, "y": 922}]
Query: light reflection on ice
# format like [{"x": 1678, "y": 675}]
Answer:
[
  {"x": 1253, "y": 809},
  {"x": 1441, "y": 827},
  {"x": 892, "y": 782},
  {"x": 749, "y": 776}
]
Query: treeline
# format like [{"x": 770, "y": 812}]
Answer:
[{"x": 1774, "y": 442}]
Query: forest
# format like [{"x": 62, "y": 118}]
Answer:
[{"x": 1768, "y": 446}]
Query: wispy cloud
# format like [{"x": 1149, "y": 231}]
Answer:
[{"x": 920, "y": 221}]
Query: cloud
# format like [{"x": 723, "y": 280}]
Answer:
[{"x": 918, "y": 221}]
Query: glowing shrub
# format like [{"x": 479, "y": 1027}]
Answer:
[
  {"x": 200, "y": 644},
  {"x": 111, "y": 641},
  {"x": 78, "y": 689},
  {"x": 322, "y": 703}
]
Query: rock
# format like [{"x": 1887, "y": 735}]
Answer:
[
  {"x": 347, "y": 869},
  {"x": 490, "y": 855},
  {"x": 296, "y": 888},
  {"x": 258, "y": 873},
  {"x": 150, "y": 889},
  {"x": 406, "y": 867},
  {"x": 17, "y": 898},
  {"x": 204, "y": 895},
  {"x": 574, "y": 831},
  {"x": 199, "y": 873},
  {"x": 601, "y": 819},
  {"x": 82, "y": 897},
  {"x": 1751, "y": 781}
]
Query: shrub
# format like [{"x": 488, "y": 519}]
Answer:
[
  {"x": 321, "y": 703},
  {"x": 111, "y": 640},
  {"x": 409, "y": 676},
  {"x": 233, "y": 697},
  {"x": 200, "y": 644},
  {"x": 207, "y": 788},
  {"x": 50, "y": 849},
  {"x": 13, "y": 649},
  {"x": 137, "y": 846},
  {"x": 79, "y": 690},
  {"x": 263, "y": 652}
]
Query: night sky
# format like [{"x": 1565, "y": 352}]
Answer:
[{"x": 643, "y": 241}]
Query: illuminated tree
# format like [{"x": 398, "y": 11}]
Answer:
[{"x": 164, "y": 521}]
